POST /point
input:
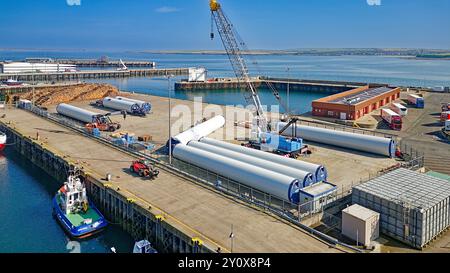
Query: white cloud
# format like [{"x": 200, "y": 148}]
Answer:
[
  {"x": 73, "y": 2},
  {"x": 167, "y": 9},
  {"x": 374, "y": 2}
]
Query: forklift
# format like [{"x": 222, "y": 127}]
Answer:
[{"x": 144, "y": 169}]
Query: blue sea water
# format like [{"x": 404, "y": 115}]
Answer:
[
  {"x": 378, "y": 69},
  {"x": 27, "y": 224},
  {"x": 26, "y": 191}
]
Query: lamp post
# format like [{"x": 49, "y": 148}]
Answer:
[
  {"x": 169, "y": 76},
  {"x": 232, "y": 238},
  {"x": 288, "y": 90}
]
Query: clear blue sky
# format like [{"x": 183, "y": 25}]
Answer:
[{"x": 185, "y": 24}]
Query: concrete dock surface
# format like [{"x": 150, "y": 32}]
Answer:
[
  {"x": 345, "y": 167},
  {"x": 206, "y": 213}
]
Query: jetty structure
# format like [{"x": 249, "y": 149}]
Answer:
[{"x": 93, "y": 74}]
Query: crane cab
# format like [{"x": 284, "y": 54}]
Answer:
[{"x": 214, "y": 5}]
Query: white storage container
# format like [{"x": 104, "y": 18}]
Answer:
[{"x": 361, "y": 224}]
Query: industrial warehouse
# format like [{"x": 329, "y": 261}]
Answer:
[
  {"x": 414, "y": 208},
  {"x": 356, "y": 103}
]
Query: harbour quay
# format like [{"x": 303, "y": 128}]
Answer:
[
  {"x": 101, "y": 62},
  {"x": 177, "y": 213},
  {"x": 94, "y": 74},
  {"x": 321, "y": 86}
]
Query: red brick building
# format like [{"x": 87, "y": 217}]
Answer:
[{"x": 356, "y": 103}]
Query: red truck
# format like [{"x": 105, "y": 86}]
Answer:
[
  {"x": 445, "y": 116},
  {"x": 393, "y": 119}
]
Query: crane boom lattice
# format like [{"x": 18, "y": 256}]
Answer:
[{"x": 234, "y": 51}]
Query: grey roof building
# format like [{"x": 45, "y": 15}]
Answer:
[{"x": 414, "y": 208}]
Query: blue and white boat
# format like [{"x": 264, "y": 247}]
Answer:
[{"x": 79, "y": 217}]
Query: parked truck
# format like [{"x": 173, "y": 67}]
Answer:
[
  {"x": 417, "y": 101},
  {"x": 447, "y": 126},
  {"x": 393, "y": 119},
  {"x": 399, "y": 109},
  {"x": 445, "y": 107},
  {"x": 445, "y": 116},
  {"x": 90, "y": 119},
  {"x": 438, "y": 89}
]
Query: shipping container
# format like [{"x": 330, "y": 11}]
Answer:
[{"x": 414, "y": 207}]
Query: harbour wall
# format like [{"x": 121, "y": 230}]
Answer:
[
  {"x": 295, "y": 85},
  {"x": 139, "y": 219},
  {"x": 94, "y": 74}
]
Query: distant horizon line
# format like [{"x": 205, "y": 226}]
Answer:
[{"x": 199, "y": 51}]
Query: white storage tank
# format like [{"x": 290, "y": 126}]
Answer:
[
  {"x": 144, "y": 105},
  {"x": 305, "y": 178},
  {"x": 358, "y": 142},
  {"x": 77, "y": 113},
  {"x": 319, "y": 172},
  {"x": 122, "y": 105},
  {"x": 361, "y": 224},
  {"x": 281, "y": 186},
  {"x": 202, "y": 130}
]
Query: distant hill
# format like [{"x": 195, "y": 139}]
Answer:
[
  {"x": 434, "y": 56},
  {"x": 407, "y": 52}
]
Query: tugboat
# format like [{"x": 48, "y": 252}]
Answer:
[
  {"x": 2, "y": 141},
  {"x": 79, "y": 217}
]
